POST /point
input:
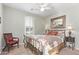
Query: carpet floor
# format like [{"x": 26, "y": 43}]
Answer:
[
  {"x": 69, "y": 51},
  {"x": 18, "y": 51},
  {"x": 26, "y": 51}
]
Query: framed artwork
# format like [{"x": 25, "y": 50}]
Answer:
[{"x": 58, "y": 22}]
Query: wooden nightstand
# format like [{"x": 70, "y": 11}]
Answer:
[{"x": 70, "y": 40}]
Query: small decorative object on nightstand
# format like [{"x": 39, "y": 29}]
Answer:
[{"x": 69, "y": 39}]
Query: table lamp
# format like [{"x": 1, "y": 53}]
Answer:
[{"x": 69, "y": 27}]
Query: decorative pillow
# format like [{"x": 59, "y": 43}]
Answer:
[{"x": 52, "y": 33}]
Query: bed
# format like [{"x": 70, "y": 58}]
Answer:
[{"x": 45, "y": 44}]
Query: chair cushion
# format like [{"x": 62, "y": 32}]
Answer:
[
  {"x": 12, "y": 42},
  {"x": 9, "y": 38}
]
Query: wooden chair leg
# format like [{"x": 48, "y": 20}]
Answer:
[
  {"x": 4, "y": 48},
  {"x": 8, "y": 48}
]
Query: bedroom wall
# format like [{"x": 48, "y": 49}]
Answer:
[
  {"x": 14, "y": 22},
  {"x": 72, "y": 17},
  {"x": 1, "y": 27},
  {"x": 40, "y": 25}
]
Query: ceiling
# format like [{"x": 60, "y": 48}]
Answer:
[{"x": 34, "y": 8}]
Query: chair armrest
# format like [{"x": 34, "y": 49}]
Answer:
[{"x": 16, "y": 38}]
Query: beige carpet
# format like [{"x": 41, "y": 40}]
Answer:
[
  {"x": 26, "y": 51},
  {"x": 69, "y": 51},
  {"x": 18, "y": 51}
]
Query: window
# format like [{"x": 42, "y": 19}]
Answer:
[{"x": 29, "y": 25}]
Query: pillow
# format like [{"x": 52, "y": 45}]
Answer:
[{"x": 52, "y": 33}]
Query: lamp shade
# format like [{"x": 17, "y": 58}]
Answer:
[{"x": 69, "y": 27}]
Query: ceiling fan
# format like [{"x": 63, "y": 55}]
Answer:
[{"x": 42, "y": 7}]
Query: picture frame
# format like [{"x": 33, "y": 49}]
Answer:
[{"x": 58, "y": 22}]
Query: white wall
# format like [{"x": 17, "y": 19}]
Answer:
[
  {"x": 14, "y": 22},
  {"x": 39, "y": 25},
  {"x": 1, "y": 27}
]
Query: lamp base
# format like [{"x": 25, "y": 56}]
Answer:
[{"x": 70, "y": 33}]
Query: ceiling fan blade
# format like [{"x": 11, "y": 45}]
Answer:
[{"x": 32, "y": 9}]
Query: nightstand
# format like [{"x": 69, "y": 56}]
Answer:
[{"x": 71, "y": 41}]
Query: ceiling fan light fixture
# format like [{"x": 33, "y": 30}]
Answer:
[{"x": 42, "y": 9}]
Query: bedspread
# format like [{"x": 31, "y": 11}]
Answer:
[{"x": 42, "y": 42}]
